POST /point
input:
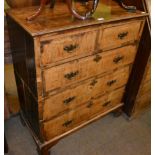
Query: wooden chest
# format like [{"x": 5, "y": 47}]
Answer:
[{"x": 69, "y": 72}]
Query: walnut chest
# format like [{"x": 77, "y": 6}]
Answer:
[{"x": 70, "y": 72}]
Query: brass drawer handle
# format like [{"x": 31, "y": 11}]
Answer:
[
  {"x": 118, "y": 59},
  {"x": 68, "y": 100},
  {"x": 122, "y": 35},
  {"x": 106, "y": 103},
  {"x": 67, "y": 123},
  {"x": 71, "y": 75},
  {"x": 90, "y": 104},
  {"x": 70, "y": 48},
  {"x": 97, "y": 58},
  {"x": 93, "y": 83},
  {"x": 109, "y": 83}
]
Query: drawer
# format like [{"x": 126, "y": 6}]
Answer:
[
  {"x": 81, "y": 114},
  {"x": 68, "y": 73},
  {"x": 77, "y": 95},
  {"x": 64, "y": 47},
  {"x": 117, "y": 35}
]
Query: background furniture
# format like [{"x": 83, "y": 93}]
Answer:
[
  {"x": 138, "y": 98},
  {"x": 9, "y": 78},
  {"x": 69, "y": 72}
]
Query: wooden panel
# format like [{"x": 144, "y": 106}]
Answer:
[
  {"x": 147, "y": 76},
  {"x": 115, "y": 36},
  {"x": 39, "y": 82},
  {"x": 28, "y": 104},
  {"x": 60, "y": 18},
  {"x": 62, "y": 75},
  {"x": 56, "y": 77},
  {"x": 140, "y": 64},
  {"x": 67, "y": 46},
  {"x": 143, "y": 99},
  {"x": 22, "y": 47},
  {"x": 142, "y": 104},
  {"x": 76, "y": 95},
  {"x": 145, "y": 89},
  {"x": 75, "y": 117}
]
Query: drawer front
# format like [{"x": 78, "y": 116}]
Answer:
[
  {"x": 118, "y": 35},
  {"x": 69, "y": 46},
  {"x": 71, "y": 98},
  {"x": 66, "y": 74},
  {"x": 84, "y": 113}
]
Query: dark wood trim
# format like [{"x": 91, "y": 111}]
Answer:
[
  {"x": 137, "y": 71},
  {"x": 22, "y": 47},
  {"x": 139, "y": 65}
]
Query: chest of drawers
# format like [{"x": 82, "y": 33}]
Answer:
[{"x": 70, "y": 73}]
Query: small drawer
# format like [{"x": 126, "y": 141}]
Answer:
[
  {"x": 117, "y": 35},
  {"x": 69, "y": 73},
  {"x": 82, "y": 93},
  {"x": 64, "y": 47},
  {"x": 81, "y": 114}
]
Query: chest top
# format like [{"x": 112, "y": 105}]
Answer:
[{"x": 59, "y": 18}]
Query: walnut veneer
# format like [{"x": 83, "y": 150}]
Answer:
[{"x": 70, "y": 73}]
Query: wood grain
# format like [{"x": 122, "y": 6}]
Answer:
[
  {"x": 82, "y": 93},
  {"x": 57, "y": 126},
  {"x": 59, "y": 18},
  {"x": 137, "y": 77},
  {"x": 68, "y": 46},
  {"x": 117, "y": 35},
  {"x": 71, "y": 72},
  {"x": 87, "y": 67}
]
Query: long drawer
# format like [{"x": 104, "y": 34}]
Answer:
[
  {"x": 119, "y": 34},
  {"x": 71, "y": 72},
  {"x": 83, "y": 92},
  {"x": 81, "y": 114}
]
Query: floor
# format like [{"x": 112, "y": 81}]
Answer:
[{"x": 107, "y": 136}]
